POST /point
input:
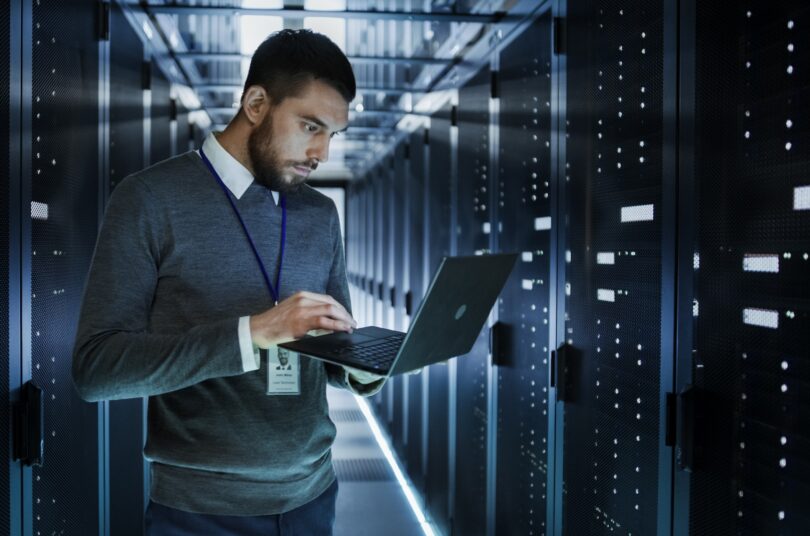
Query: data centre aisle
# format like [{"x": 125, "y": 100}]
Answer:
[{"x": 370, "y": 500}]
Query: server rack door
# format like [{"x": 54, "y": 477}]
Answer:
[
  {"x": 126, "y": 155},
  {"x": 161, "y": 143},
  {"x": 415, "y": 292},
  {"x": 396, "y": 384},
  {"x": 747, "y": 219},
  {"x": 361, "y": 249},
  {"x": 351, "y": 243},
  {"x": 63, "y": 197},
  {"x": 371, "y": 246},
  {"x": 378, "y": 186},
  {"x": 379, "y": 244},
  {"x": 389, "y": 226},
  {"x": 473, "y": 237},
  {"x": 524, "y": 188},
  {"x": 438, "y": 207},
  {"x": 610, "y": 372}
]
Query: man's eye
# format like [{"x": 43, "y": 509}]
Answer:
[
  {"x": 334, "y": 134},
  {"x": 311, "y": 128}
]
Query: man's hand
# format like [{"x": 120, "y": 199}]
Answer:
[{"x": 292, "y": 318}]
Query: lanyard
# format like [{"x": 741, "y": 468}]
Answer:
[{"x": 274, "y": 291}]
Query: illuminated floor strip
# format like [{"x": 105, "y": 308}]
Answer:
[{"x": 407, "y": 489}]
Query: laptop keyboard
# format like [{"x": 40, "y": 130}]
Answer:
[{"x": 379, "y": 353}]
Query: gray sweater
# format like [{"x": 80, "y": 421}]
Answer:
[{"x": 171, "y": 275}]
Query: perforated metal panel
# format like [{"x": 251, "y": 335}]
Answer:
[
  {"x": 524, "y": 190},
  {"x": 64, "y": 199},
  {"x": 126, "y": 99},
  {"x": 126, "y": 417},
  {"x": 613, "y": 286},
  {"x": 751, "y": 309},
  {"x": 474, "y": 220}
]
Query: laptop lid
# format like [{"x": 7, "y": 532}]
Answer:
[{"x": 454, "y": 310}]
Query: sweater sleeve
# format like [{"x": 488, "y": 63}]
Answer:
[
  {"x": 338, "y": 288},
  {"x": 115, "y": 355}
]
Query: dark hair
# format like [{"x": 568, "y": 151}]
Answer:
[{"x": 288, "y": 59}]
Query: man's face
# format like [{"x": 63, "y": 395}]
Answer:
[{"x": 293, "y": 138}]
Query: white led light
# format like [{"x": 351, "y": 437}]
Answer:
[
  {"x": 607, "y": 295},
  {"x": 527, "y": 284},
  {"x": 605, "y": 257},
  {"x": 801, "y": 198},
  {"x": 39, "y": 211},
  {"x": 761, "y": 317},
  {"x": 638, "y": 213},
  {"x": 696, "y": 261},
  {"x": 407, "y": 489},
  {"x": 486, "y": 228},
  {"x": 527, "y": 256},
  {"x": 542, "y": 224},
  {"x": 761, "y": 263}
]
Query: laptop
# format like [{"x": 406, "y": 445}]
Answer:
[{"x": 446, "y": 324}]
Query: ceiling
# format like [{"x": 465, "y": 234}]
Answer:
[{"x": 400, "y": 50}]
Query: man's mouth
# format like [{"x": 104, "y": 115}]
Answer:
[{"x": 302, "y": 170}]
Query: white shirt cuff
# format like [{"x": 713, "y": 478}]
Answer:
[
  {"x": 367, "y": 389},
  {"x": 250, "y": 355}
]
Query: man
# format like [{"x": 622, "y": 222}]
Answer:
[{"x": 204, "y": 259}]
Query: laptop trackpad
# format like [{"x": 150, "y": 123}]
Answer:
[{"x": 341, "y": 338}]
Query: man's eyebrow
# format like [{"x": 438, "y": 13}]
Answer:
[{"x": 320, "y": 123}]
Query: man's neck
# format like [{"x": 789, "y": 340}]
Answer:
[{"x": 234, "y": 139}]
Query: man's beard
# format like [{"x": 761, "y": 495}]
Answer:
[{"x": 267, "y": 168}]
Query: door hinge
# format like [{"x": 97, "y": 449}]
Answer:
[
  {"x": 29, "y": 425},
  {"x": 409, "y": 303},
  {"x": 499, "y": 343},
  {"x": 558, "y": 32},
  {"x": 103, "y": 21},
  {"x": 562, "y": 370},
  {"x": 672, "y": 418},
  {"x": 146, "y": 75}
]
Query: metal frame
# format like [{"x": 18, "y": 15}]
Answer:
[
  {"x": 25, "y": 239},
  {"x": 360, "y": 60},
  {"x": 17, "y": 476},
  {"x": 291, "y": 13},
  {"x": 103, "y": 433},
  {"x": 670, "y": 255},
  {"x": 558, "y": 239},
  {"x": 685, "y": 233},
  {"x": 225, "y": 87}
]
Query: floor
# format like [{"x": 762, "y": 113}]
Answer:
[{"x": 370, "y": 501}]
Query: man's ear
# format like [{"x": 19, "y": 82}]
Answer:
[{"x": 255, "y": 104}]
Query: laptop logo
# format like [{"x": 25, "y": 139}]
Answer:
[{"x": 460, "y": 312}]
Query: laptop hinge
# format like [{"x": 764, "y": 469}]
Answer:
[{"x": 409, "y": 303}]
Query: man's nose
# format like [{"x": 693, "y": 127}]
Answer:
[{"x": 319, "y": 150}]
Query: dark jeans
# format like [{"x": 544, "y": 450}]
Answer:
[{"x": 312, "y": 519}]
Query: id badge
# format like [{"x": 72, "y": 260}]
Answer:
[{"x": 283, "y": 372}]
